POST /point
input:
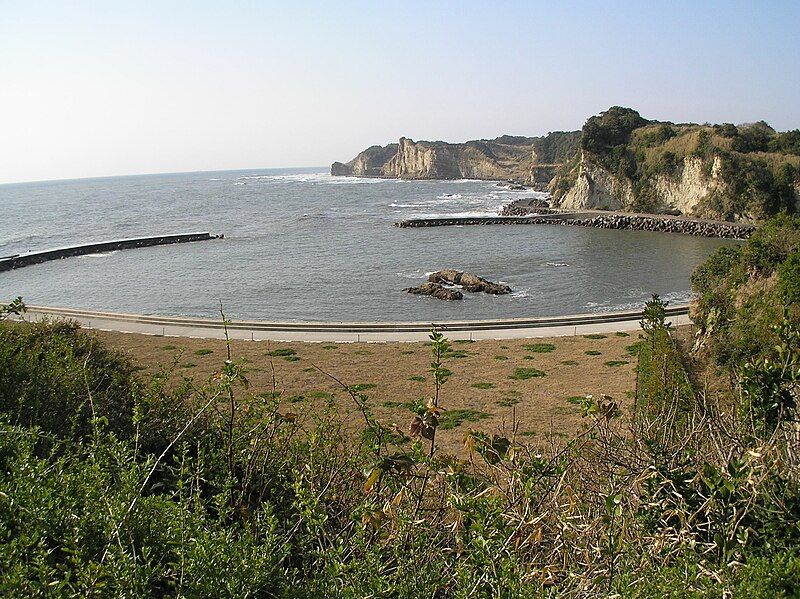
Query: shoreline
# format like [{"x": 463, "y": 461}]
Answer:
[{"x": 355, "y": 332}]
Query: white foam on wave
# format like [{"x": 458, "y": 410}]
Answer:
[
  {"x": 450, "y": 196},
  {"x": 468, "y": 214},
  {"x": 313, "y": 178},
  {"x": 215, "y": 179},
  {"x": 100, "y": 254},
  {"x": 556, "y": 264},
  {"x": 674, "y": 298}
]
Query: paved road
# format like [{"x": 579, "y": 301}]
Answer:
[{"x": 580, "y": 324}]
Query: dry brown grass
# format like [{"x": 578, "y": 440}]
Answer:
[{"x": 480, "y": 382}]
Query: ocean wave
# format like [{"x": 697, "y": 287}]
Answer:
[
  {"x": 556, "y": 264},
  {"x": 450, "y": 196},
  {"x": 674, "y": 298},
  {"x": 100, "y": 254}
]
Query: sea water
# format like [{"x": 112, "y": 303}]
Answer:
[{"x": 302, "y": 245}]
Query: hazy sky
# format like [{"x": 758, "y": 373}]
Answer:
[{"x": 104, "y": 88}]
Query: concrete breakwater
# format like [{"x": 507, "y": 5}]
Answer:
[
  {"x": 633, "y": 222},
  {"x": 20, "y": 260}
]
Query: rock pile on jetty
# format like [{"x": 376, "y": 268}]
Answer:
[
  {"x": 436, "y": 290},
  {"x": 664, "y": 224},
  {"x": 526, "y": 206},
  {"x": 661, "y": 224},
  {"x": 468, "y": 282}
]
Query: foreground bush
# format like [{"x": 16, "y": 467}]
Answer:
[{"x": 247, "y": 497}]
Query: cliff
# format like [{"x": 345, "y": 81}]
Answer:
[
  {"x": 742, "y": 173},
  {"x": 531, "y": 160}
]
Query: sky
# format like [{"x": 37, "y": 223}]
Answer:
[{"x": 113, "y": 88}]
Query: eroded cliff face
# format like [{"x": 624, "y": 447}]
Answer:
[
  {"x": 595, "y": 187},
  {"x": 507, "y": 158},
  {"x": 686, "y": 193}
]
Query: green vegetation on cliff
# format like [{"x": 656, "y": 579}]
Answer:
[
  {"x": 742, "y": 291},
  {"x": 720, "y": 171}
]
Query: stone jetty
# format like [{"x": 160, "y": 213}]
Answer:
[
  {"x": 610, "y": 220},
  {"x": 20, "y": 260}
]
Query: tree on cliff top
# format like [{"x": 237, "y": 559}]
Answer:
[{"x": 609, "y": 129}]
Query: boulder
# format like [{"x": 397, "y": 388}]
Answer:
[
  {"x": 435, "y": 290},
  {"x": 468, "y": 282}
]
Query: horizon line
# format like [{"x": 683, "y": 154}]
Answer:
[{"x": 189, "y": 172}]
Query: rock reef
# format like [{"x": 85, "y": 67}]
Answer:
[
  {"x": 436, "y": 290},
  {"x": 468, "y": 282}
]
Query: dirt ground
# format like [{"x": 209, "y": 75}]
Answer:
[{"x": 488, "y": 390}]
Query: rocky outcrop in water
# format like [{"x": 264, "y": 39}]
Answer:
[
  {"x": 468, "y": 282},
  {"x": 435, "y": 290},
  {"x": 529, "y": 160},
  {"x": 526, "y": 206}
]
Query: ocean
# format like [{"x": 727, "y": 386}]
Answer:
[{"x": 301, "y": 245}]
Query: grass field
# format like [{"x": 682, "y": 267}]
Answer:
[{"x": 484, "y": 392}]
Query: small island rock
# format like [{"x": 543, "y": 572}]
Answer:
[
  {"x": 436, "y": 290},
  {"x": 468, "y": 282}
]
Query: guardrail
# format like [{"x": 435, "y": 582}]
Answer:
[{"x": 385, "y": 331}]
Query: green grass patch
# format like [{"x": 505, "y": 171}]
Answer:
[
  {"x": 309, "y": 369},
  {"x": 188, "y": 365},
  {"x": 508, "y": 402},
  {"x": 169, "y": 347},
  {"x": 634, "y": 349},
  {"x": 456, "y": 353},
  {"x": 406, "y": 352},
  {"x": 330, "y": 346},
  {"x": 463, "y": 341},
  {"x": 398, "y": 404},
  {"x": 569, "y": 362},
  {"x": 522, "y": 374},
  {"x": 539, "y": 348},
  {"x": 576, "y": 399},
  {"x": 203, "y": 352},
  {"x": 450, "y": 419},
  {"x": 592, "y": 352},
  {"x": 416, "y": 377},
  {"x": 361, "y": 387},
  {"x": 320, "y": 395},
  {"x": 281, "y": 352},
  {"x": 482, "y": 385},
  {"x": 595, "y": 336},
  {"x": 296, "y": 398},
  {"x": 616, "y": 363},
  {"x": 622, "y": 334},
  {"x": 526, "y": 434},
  {"x": 501, "y": 357}
]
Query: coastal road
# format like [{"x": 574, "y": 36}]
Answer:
[{"x": 354, "y": 332}]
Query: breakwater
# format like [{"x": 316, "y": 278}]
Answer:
[
  {"x": 631, "y": 222},
  {"x": 20, "y": 260}
]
